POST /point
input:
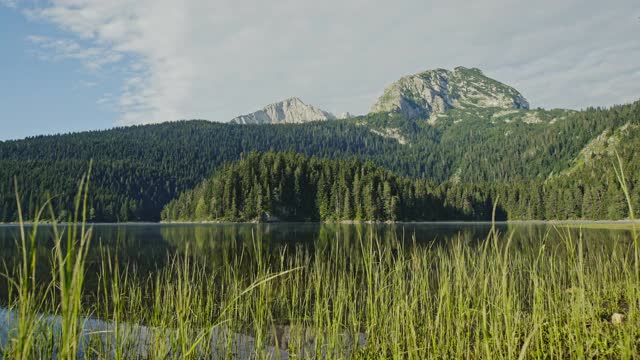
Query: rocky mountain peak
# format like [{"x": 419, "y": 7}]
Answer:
[
  {"x": 436, "y": 91},
  {"x": 288, "y": 111},
  {"x": 345, "y": 115}
]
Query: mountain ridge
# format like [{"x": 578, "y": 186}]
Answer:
[
  {"x": 291, "y": 110},
  {"x": 484, "y": 136},
  {"x": 417, "y": 96},
  {"x": 439, "y": 90}
]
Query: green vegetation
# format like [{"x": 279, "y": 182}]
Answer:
[
  {"x": 472, "y": 154},
  {"x": 367, "y": 299},
  {"x": 138, "y": 170},
  {"x": 289, "y": 186},
  {"x": 355, "y": 295},
  {"x": 606, "y": 226}
]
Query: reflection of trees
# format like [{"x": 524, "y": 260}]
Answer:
[
  {"x": 557, "y": 238},
  {"x": 204, "y": 242},
  {"x": 138, "y": 246},
  {"x": 148, "y": 247}
]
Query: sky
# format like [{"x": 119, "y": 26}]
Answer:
[{"x": 73, "y": 65}]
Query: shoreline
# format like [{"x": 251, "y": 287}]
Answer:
[{"x": 350, "y": 222}]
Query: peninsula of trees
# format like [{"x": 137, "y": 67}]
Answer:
[{"x": 292, "y": 187}]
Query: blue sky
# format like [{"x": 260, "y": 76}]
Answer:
[
  {"x": 44, "y": 97},
  {"x": 70, "y": 65}
]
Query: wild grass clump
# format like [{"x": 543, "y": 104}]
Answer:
[{"x": 375, "y": 297}]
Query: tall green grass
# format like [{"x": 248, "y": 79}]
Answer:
[{"x": 377, "y": 297}]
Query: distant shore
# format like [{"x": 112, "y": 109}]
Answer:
[
  {"x": 562, "y": 222},
  {"x": 626, "y": 223}
]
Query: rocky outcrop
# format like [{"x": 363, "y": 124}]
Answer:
[
  {"x": 345, "y": 115},
  {"x": 291, "y": 110},
  {"x": 436, "y": 91}
]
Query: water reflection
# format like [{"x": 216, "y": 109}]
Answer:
[{"x": 148, "y": 247}]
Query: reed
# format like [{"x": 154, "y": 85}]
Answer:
[{"x": 375, "y": 298}]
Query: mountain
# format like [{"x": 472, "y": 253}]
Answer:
[
  {"x": 289, "y": 111},
  {"x": 542, "y": 164},
  {"x": 345, "y": 115},
  {"x": 436, "y": 91}
]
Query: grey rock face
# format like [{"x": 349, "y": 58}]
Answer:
[
  {"x": 345, "y": 115},
  {"x": 436, "y": 91},
  {"x": 289, "y": 111}
]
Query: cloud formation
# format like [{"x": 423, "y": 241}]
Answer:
[
  {"x": 93, "y": 57},
  {"x": 218, "y": 59}
]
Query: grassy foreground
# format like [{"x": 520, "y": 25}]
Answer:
[{"x": 367, "y": 299}]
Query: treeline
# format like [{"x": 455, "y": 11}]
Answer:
[
  {"x": 119, "y": 190},
  {"x": 138, "y": 170},
  {"x": 560, "y": 199},
  {"x": 293, "y": 187},
  {"x": 588, "y": 189},
  {"x": 486, "y": 149}
]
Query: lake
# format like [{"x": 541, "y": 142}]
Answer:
[
  {"x": 147, "y": 248},
  {"x": 331, "y": 290}
]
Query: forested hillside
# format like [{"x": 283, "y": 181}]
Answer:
[
  {"x": 293, "y": 187},
  {"x": 137, "y": 170},
  {"x": 538, "y": 161},
  {"x": 492, "y": 144}
]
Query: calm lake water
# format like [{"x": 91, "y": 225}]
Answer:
[{"x": 149, "y": 247}]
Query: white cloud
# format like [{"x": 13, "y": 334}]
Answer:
[
  {"x": 217, "y": 59},
  {"x": 93, "y": 57}
]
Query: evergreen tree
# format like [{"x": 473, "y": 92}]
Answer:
[{"x": 201, "y": 210}]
